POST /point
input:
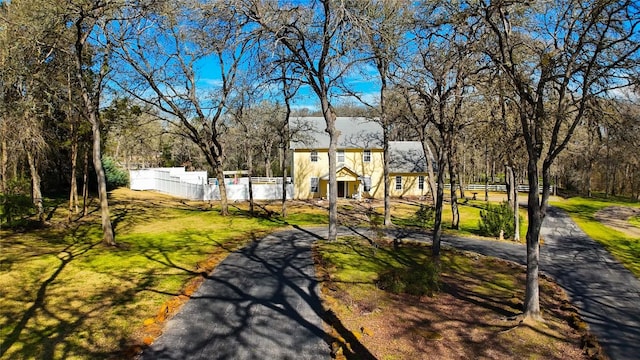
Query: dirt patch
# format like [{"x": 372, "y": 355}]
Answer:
[
  {"x": 617, "y": 218},
  {"x": 473, "y": 317}
]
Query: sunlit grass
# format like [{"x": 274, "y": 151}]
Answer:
[
  {"x": 64, "y": 295},
  {"x": 621, "y": 246},
  {"x": 404, "y": 215}
]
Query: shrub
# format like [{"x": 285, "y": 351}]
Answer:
[
  {"x": 496, "y": 218},
  {"x": 415, "y": 280},
  {"x": 16, "y": 202},
  {"x": 425, "y": 216},
  {"x": 115, "y": 176}
]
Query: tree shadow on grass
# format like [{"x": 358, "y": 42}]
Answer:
[
  {"x": 42, "y": 329},
  {"x": 495, "y": 301}
]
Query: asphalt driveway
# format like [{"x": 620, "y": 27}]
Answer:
[{"x": 259, "y": 303}]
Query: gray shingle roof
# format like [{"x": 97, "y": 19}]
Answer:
[
  {"x": 406, "y": 157},
  {"x": 355, "y": 133}
]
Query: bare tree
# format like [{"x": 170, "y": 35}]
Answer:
[
  {"x": 441, "y": 70},
  {"x": 165, "y": 49},
  {"x": 90, "y": 17},
  {"x": 315, "y": 39},
  {"x": 557, "y": 56},
  {"x": 382, "y": 25}
]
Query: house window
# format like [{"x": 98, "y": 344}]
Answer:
[
  {"x": 398, "y": 182},
  {"x": 340, "y": 156},
  {"x": 367, "y": 156},
  {"x": 314, "y": 156},
  {"x": 366, "y": 183},
  {"x": 314, "y": 185},
  {"x": 421, "y": 182}
]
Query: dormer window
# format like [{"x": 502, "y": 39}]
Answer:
[{"x": 366, "y": 157}]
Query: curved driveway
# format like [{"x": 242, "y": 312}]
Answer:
[{"x": 262, "y": 302}]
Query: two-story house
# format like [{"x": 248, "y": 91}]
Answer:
[{"x": 359, "y": 161}]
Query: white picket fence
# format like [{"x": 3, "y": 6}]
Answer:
[
  {"x": 497, "y": 187},
  {"x": 194, "y": 185}
]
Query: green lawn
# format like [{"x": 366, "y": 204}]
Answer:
[
  {"x": 63, "y": 295},
  {"x": 404, "y": 215},
  {"x": 624, "y": 248}
]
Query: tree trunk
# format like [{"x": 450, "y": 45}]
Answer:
[
  {"x": 213, "y": 152},
  {"x": 486, "y": 174},
  {"x": 36, "y": 192},
  {"x": 285, "y": 159},
  {"x": 588, "y": 171},
  {"x": 385, "y": 156},
  {"x": 222, "y": 188},
  {"x": 532, "y": 289},
  {"x": 250, "y": 170},
  {"x": 330, "y": 119},
  {"x": 91, "y": 108},
  {"x": 3, "y": 158},
  {"x": 437, "y": 227},
  {"x": 107, "y": 229},
  {"x": 508, "y": 182},
  {"x": 85, "y": 184},
  {"x": 453, "y": 171},
  {"x": 73, "y": 191},
  {"x": 430, "y": 161},
  {"x": 384, "y": 121},
  {"x": 284, "y": 185},
  {"x": 512, "y": 191},
  {"x": 267, "y": 167}
]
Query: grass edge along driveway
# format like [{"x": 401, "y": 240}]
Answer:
[{"x": 624, "y": 248}]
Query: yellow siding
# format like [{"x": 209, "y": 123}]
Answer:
[
  {"x": 304, "y": 169},
  {"x": 409, "y": 185}
]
